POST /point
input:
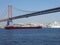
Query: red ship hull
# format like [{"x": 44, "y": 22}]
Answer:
[{"x": 12, "y": 27}]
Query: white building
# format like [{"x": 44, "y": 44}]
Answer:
[{"x": 54, "y": 25}]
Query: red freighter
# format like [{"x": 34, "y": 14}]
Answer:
[{"x": 15, "y": 27}]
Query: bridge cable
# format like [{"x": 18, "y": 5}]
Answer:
[{"x": 23, "y": 10}]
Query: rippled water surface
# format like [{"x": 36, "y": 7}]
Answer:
[{"x": 45, "y": 36}]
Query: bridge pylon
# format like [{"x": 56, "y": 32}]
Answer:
[{"x": 9, "y": 15}]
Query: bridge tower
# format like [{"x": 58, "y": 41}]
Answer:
[{"x": 9, "y": 15}]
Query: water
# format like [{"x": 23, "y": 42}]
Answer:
[{"x": 45, "y": 36}]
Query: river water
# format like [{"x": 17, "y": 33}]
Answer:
[{"x": 44, "y": 36}]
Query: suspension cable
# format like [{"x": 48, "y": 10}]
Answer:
[{"x": 23, "y": 10}]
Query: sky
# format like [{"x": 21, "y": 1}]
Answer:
[{"x": 30, "y": 5}]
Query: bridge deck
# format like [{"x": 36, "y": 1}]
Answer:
[{"x": 34, "y": 14}]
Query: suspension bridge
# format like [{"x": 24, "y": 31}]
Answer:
[{"x": 53, "y": 10}]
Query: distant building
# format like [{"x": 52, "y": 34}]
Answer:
[{"x": 54, "y": 25}]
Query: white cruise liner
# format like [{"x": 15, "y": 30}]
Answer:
[{"x": 54, "y": 25}]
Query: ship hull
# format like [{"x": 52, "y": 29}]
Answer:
[{"x": 12, "y": 27}]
